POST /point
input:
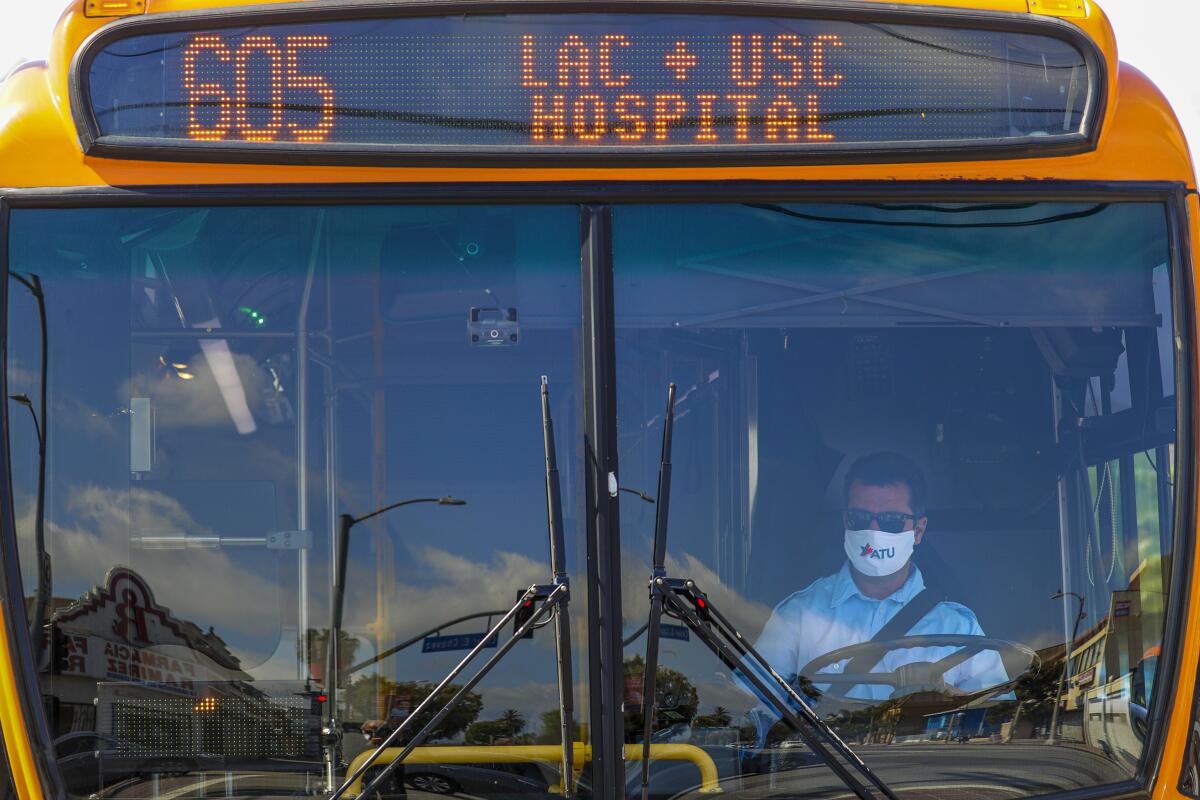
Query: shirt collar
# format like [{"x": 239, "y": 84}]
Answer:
[{"x": 844, "y": 587}]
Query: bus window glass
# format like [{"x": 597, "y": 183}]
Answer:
[
  {"x": 222, "y": 384},
  {"x": 962, "y": 413}
]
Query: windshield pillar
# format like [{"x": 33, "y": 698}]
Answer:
[{"x": 602, "y": 501}]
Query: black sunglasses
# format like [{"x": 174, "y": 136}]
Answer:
[{"x": 858, "y": 519}]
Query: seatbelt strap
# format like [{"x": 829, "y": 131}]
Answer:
[{"x": 898, "y": 626}]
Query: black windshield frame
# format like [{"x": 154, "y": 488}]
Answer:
[
  {"x": 596, "y": 201},
  {"x": 94, "y": 143}
]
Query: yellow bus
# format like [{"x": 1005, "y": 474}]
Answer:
[{"x": 596, "y": 399}]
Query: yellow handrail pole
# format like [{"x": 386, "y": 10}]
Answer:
[{"x": 521, "y": 753}]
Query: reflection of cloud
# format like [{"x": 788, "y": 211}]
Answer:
[
  {"x": 1045, "y": 638},
  {"x": 206, "y": 587},
  {"x": 718, "y": 689},
  {"x": 21, "y": 378},
  {"x": 67, "y": 412},
  {"x": 529, "y": 698},
  {"x": 747, "y": 615},
  {"x": 72, "y": 414},
  {"x": 201, "y": 401},
  {"x": 117, "y": 513},
  {"x": 706, "y": 672},
  {"x": 453, "y": 586}
]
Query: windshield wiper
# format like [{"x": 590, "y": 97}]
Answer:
[
  {"x": 683, "y": 599},
  {"x": 41, "y": 596},
  {"x": 554, "y": 597}
]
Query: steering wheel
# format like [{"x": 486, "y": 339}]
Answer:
[{"x": 918, "y": 676}]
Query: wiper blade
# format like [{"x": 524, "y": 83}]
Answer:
[{"x": 683, "y": 599}]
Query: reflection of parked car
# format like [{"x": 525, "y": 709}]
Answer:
[
  {"x": 91, "y": 761},
  {"x": 538, "y": 780},
  {"x": 489, "y": 780}
]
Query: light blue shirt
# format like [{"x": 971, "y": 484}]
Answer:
[{"x": 832, "y": 613}]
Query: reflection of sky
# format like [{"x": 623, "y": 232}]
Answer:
[
  {"x": 458, "y": 420},
  {"x": 459, "y": 81}
]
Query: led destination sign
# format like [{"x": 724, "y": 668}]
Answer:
[{"x": 580, "y": 83}]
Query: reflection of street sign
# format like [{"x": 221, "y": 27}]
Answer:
[
  {"x": 461, "y": 641},
  {"x": 679, "y": 632},
  {"x": 1085, "y": 678}
]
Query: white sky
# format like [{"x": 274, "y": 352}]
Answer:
[{"x": 1157, "y": 36}]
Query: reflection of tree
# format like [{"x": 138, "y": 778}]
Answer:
[
  {"x": 1037, "y": 692},
  {"x": 318, "y": 653},
  {"x": 505, "y": 730},
  {"x": 550, "y": 728},
  {"x": 719, "y": 718},
  {"x": 677, "y": 698},
  {"x": 365, "y": 696},
  {"x": 873, "y": 723}
]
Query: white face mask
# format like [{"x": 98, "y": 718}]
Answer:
[{"x": 877, "y": 553}]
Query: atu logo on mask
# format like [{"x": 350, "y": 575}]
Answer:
[{"x": 884, "y": 552}]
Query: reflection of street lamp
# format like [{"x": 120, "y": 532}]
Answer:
[
  {"x": 332, "y": 675},
  {"x": 1062, "y": 676},
  {"x": 41, "y": 595}
]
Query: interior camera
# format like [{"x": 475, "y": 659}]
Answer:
[{"x": 493, "y": 327}]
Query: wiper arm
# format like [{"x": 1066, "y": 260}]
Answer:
[
  {"x": 562, "y": 628},
  {"x": 554, "y": 597},
  {"x": 41, "y": 596},
  {"x": 683, "y": 599},
  {"x": 658, "y": 572}
]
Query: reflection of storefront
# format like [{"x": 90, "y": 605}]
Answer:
[
  {"x": 1124, "y": 642},
  {"x": 1086, "y": 666},
  {"x": 123, "y": 665},
  {"x": 915, "y": 716},
  {"x": 969, "y": 721},
  {"x": 1112, "y": 666}
]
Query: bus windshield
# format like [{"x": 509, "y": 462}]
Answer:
[{"x": 924, "y": 459}]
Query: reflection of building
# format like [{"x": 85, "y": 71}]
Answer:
[
  {"x": 124, "y": 666},
  {"x": 909, "y": 717},
  {"x": 967, "y": 721},
  {"x": 1123, "y": 641},
  {"x": 1110, "y": 676},
  {"x": 1086, "y": 668}
]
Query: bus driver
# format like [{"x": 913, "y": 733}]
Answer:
[{"x": 885, "y": 520}]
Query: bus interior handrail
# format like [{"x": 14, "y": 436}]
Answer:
[{"x": 549, "y": 753}]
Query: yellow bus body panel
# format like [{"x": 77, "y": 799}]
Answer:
[
  {"x": 17, "y": 744},
  {"x": 1141, "y": 139}
]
